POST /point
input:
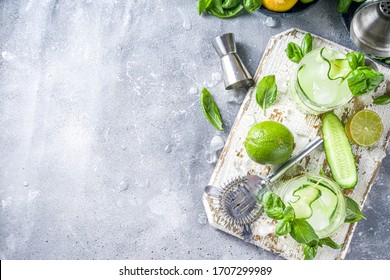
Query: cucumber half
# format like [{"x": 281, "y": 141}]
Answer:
[{"x": 339, "y": 152}]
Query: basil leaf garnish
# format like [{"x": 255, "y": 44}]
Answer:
[
  {"x": 203, "y": 5},
  {"x": 363, "y": 80},
  {"x": 210, "y": 109},
  {"x": 283, "y": 228},
  {"x": 355, "y": 59},
  {"x": 252, "y": 5},
  {"x": 266, "y": 92},
  {"x": 353, "y": 211},
  {"x": 294, "y": 52},
  {"x": 273, "y": 206},
  {"x": 217, "y": 10},
  {"x": 327, "y": 241},
  {"x": 303, "y": 233},
  {"x": 343, "y": 5},
  {"x": 228, "y": 4},
  {"x": 309, "y": 252},
  {"x": 382, "y": 100},
  {"x": 307, "y": 44}
]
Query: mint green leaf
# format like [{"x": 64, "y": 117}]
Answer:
[
  {"x": 363, "y": 80},
  {"x": 307, "y": 44},
  {"x": 273, "y": 206},
  {"x": 327, "y": 241}
]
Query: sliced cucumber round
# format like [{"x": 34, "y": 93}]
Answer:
[{"x": 339, "y": 152}]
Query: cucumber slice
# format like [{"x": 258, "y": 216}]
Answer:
[
  {"x": 339, "y": 152},
  {"x": 303, "y": 197},
  {"x": 338, "y": 67}
]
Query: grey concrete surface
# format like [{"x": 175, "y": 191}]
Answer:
[{"x": 102, "y": 140}]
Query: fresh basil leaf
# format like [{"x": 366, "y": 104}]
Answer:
[
  {"x": 307, "y": 44},
  {"x": 327, "y": 241},
  {"x": 266, "y": 92},
  {"x": 309, "y": 252},
  {"x": 303, "y": 233},
  {"x": 252, "y": 5},
  {"x": 273, "y": 206},
  {"x": 203, "y": 5},
  {"x": 288, "y": 213},
  {"x": 217, "y": 5},
  {"x": 353, "y": 211},
  {"x": 228, "y": 4},
  {"x": 216, "y": 10},
  {"x": 382, "y": 100},
  {"x": 343, "y": 5},
  {"x": 283, "y": 228},
  {"x": 294, "y": 52},
  {"x": 363, "y": 80},
  {"x": 210, "y": 109},
  {"x": 355, "y": 59}
]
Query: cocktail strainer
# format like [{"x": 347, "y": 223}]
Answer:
[{"x": 237, "y": 199}]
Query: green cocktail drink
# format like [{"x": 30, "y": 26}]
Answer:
[
  {"x": 316, "y": 199},
  {"x": 318, "y": 85}
]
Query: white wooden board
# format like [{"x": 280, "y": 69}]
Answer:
[{"x": 234, "y": 160}]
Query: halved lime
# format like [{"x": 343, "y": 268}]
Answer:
[
  {"x": 338, "y": 67},
  {"x": 365, "y": 128}
]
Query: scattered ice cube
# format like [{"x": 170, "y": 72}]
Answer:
[
  {"x": 187, "y": 24},
  {"x": 216, "y": 143},
  {"x": 202, "y": 219},
  {"x": 236, "y": 96},
  {"x": 25, "y": 183},
  {"x": 366, "y": 99},
  {"x": 166, "y": 191},
  {"x": 211, "y": 157},
  {"x": 8, "y": 55},
  {"x": 168, "y": 148},
  {"x": 193, "y": 90},
  {"x": 270, "y": 22},
  {"x": 216, "y": 76},
  {"x": 378, "y": 154},
  {"x": 123, "y": 185}
]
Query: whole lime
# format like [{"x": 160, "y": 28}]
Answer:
[{"x": 269, "y": 142}]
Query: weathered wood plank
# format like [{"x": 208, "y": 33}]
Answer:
[{"x": 234, "y": 161}]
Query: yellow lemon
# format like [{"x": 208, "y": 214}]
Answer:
[{"x": 279, "y": 5}]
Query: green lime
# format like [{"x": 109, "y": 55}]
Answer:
[
  {"x": 269, "y": 142},
  {"x": 365, "y": 128}
]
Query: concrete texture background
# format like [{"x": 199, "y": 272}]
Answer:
[{"x": 102, "y": 141}]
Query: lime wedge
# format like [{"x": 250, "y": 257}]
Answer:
[
  {"x": 365, "y": 128},
  {"x": 338, "y": 67}
]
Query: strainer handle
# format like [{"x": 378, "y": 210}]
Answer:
[{"x": 294, "y": 159}]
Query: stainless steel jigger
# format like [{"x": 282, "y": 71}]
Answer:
[
  {"x": 370, "y": 28},
  {"x": 235, "y": 74}
]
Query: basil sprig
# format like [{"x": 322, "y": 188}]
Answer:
[
  {"x": 295, "y": 53},
  {"x": 353, "y": 212},
  {"x": 343, "y": 5},
  {"x": 210, "y": 109},
  {"x": 227, "y": 8},
  {"x": 203, "y": 5},
  {"x": 363, "y": 80},
  {"x": 382, "y": 100},
  {"x": 266, "y": 92},
  {"x": 299, "y": 229}
]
